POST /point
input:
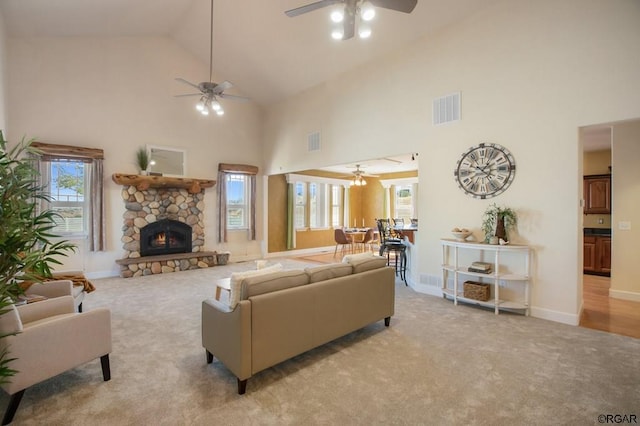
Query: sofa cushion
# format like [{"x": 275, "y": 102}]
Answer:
[
  {"x": 237, "y": 277},
  {"x": 274, "y": 281},
  {"x": 350, "y": 257},
  {"x": 327, "y": 272},
  {"x": 367, "y": 263}
]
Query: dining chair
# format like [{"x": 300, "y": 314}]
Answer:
[
  {"x": 342, "y": 240},
  {"x": 368, "y": 239}
]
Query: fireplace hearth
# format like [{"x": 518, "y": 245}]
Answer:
[{"x": 165, "y": 236}]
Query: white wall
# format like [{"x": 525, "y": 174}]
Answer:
[
  {"x": 625, "y": 194},
  {"x": 118, "y": 94},
  {"x": 531, "y": 74}
]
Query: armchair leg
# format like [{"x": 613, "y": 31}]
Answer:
[
  {"x": 80, "y": 308},
  {"x": 14, "y": 401},
  {"x": 242, "y": 386},
  {"x": 387, "y": 321},
  {"x": 209, "y": 357},
  {"x": 106, "y": 369}
]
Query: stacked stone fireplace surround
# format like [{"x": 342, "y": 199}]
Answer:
[{"x": 154, "y": 204}]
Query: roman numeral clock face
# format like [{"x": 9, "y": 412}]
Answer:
[{"x": 485, "y": 170}]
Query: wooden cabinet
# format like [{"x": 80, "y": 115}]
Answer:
[
  {"x": 597, "y": 255},
  {"x": 597, "y": 194},
  {"x": 455, "y": 272}
]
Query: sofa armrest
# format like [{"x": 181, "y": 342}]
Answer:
[
  {"x": 51, "y": 289},
  {"x": 46, "y": 308},
  {"x": 226, "y": 334}
]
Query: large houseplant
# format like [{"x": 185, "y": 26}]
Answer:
[
  {"x": 27, "y": 246},
  {"x": 498, "y": 221}
]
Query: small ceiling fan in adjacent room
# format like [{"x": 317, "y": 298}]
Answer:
[
  {"x": 358, "y": 176},
  {"x": 210, "y": 91},
  {"x": 345, "y": 13}
]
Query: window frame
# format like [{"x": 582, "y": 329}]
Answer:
[
  {"x": 46, "y": 180},
  {"x": 244, "y": 207}
]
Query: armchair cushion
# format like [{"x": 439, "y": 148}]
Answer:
[{"x": 10, "y": 322}]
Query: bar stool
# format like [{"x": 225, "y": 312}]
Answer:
[{"x": 395, "y": 245}]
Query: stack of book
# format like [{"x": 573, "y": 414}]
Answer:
[{"x": 482, "y": 267}]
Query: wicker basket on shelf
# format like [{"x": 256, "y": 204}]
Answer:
[{"x": 476, "y": 290}]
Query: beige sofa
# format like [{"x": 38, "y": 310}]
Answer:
[{"x": 282, "y": 314}]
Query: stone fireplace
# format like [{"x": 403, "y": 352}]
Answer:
[{"x": 163, "y": 228}]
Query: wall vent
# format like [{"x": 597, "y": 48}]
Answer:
[
  {"x": 313, "y": 141},
  {"x": 446, "y": 109}
]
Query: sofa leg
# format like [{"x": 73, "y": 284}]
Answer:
[
  {"x": 80, "y": 308},
  {"x": 209, "y": 357},
  {"x": 106, "y": 368},
  {"x": 14, "y": 401},
  {"x": 387, "y": 321},
  {"x": 242, "y": 386}
]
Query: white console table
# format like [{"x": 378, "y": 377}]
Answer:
[{"x": 452, "y": 269}]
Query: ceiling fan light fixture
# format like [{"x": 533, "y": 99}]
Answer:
[
  {"x": 367, "y": 11},
  {"x": 200, "y": 105},
  {"x": 337, "y": 33},
  {"x": 220, "y": 111},
  {"x": 337, "y": 14},
  {"x": 364, "y": 31},
  {"x": 205, "y": 111},
  {"x": 215, "y": 105}
]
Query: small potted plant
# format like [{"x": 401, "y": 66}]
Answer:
[
  {"x": 142, "y": 160},
  {"x": 497, "y": 221}
]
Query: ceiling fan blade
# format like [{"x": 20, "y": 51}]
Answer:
[
  {"x": 182, "y": 80},
  {"x": 234, "y": 97},
  {"x": 311, "y": 7},
  {"x": 187, "y": 94},
  {"x": 405, "y": 6},
  {"x": 219, "y": 88}
]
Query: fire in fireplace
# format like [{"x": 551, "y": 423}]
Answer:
[{"x": 164, "y": 237}]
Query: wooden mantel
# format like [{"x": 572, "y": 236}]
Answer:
[{"x": 145, "y": 182}]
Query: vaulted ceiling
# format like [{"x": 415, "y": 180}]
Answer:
[{"x": 265, "y": 54}]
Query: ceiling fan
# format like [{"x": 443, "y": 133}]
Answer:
[
  {"x": 358, "y": 176},
  {"x": 347, "y": 11},
  {"x": 210, "y": 91}
]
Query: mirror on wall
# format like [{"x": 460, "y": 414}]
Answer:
[{"x": 168, "y": 161}]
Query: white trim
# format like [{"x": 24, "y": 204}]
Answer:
[
  {"x": 562, "y": 317},
  {"x": 292, "y": 178},
  {"x": 401, "y": 181},
  {"x": 624, "y": 295}
]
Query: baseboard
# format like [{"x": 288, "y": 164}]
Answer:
[
  {"x": 624, "y": 295},
  {"x": 562, "y": 317},
  {"x": 427, "y": 289},
  {"x": 300, "y": 252}
]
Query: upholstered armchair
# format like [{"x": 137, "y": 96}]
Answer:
[
  {"x": 49, "y": 337},
  {"x": 58, "y": 288}
]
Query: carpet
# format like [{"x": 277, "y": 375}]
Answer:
[{"x": 436, "y": 364}]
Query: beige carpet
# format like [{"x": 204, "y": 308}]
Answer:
[{"x": 437, "y": 364}]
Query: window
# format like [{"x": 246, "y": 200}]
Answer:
[
  {"x": 300, "y": 205},
  {"x": 318, "y": 205},
  {"x": 68, "y": 184},
  {"x": 404, "y": 207},
  {"x": 336, "y": 204},
  {"x": 237, "y": 201}
]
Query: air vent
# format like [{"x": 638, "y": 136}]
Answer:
[
  {"x": 313, "y": 141},
  {"x": 446, "y": 109}
]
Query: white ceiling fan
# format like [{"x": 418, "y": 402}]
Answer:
[
  {"x": 358, "y": 176},
  {"x": 346, "y": 12},
  {"x": 210, "y": 91}
]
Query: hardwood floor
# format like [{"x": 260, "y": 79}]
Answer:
[{"x": 602, "y": 312}]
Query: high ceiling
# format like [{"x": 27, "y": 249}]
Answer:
[{"x": 265, "y": 54}]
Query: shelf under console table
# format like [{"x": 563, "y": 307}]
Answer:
[{"x": 508, "y": 276}]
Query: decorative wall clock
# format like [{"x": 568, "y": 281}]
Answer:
[{"x": 485, "y": 170}]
